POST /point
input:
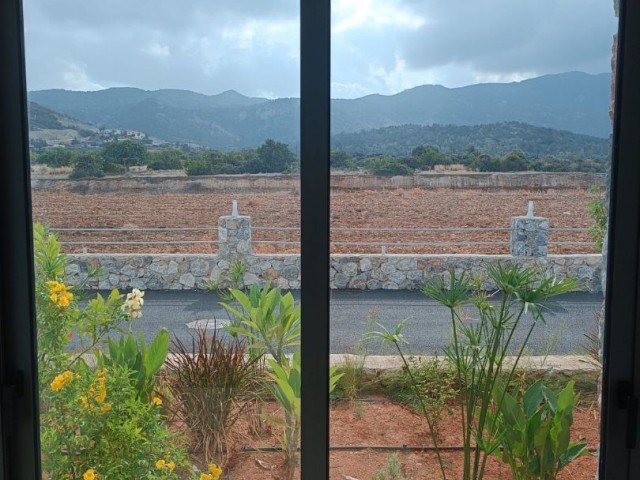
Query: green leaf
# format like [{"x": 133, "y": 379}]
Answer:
[
  {"x": 532, "y": 398},
  {"x": 157, "y": 353}
]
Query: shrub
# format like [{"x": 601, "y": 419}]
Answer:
[
  {"x": 88, "y": 165},
  {"x": 95, "y": 422},
  {"x": 57, "y": 157},
  {"x": 435, "y": 388},
  {"x": 598, "y": 212},
  {"x": 212, "y": 384},
  {"x": 143, "y": 362},
  {"x": 391, "y": 470},
  {"x": 535, "y": 431},
  {"x": 387, "y": 166},
  {"x": 169, "y": 159},
  {"x": 114, "y": 168}
]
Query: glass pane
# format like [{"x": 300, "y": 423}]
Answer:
[
  {"x": 165, "y": 159},
  {"x": 470, "y": 149}
]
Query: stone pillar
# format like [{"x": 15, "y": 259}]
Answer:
[
  {"x": 234, "y": 236},
  {"x": 529, "y": 235}
]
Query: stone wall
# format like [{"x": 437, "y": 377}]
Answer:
[
  {"x": 275, "y": 182},
  {"x": 391, "y": 272}
]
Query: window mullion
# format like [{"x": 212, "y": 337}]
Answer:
[
  {"x": 623, "y": 269},
  {"x": 18, "y": 371},
  {"x": 314, "y": 179}
]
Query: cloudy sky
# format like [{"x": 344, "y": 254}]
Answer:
[{"x": 379, "y": 46}]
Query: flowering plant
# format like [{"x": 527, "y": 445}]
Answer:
[
  {"x": 95, "y": 428},
  {"x": 95, "y": 424}
]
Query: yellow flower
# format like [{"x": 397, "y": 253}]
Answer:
[
  {"x": 61, "y": 380},
  {"x": 171, "y": 465},
  {"x": 206, "y": 476},
  {"x": 102, "y": 388},
  {"x": 160, "y": 464},
  {"x": 215, "y": 471},
  {"x": 90, "y": 474},
  {"x": 156, "y": 401},
  {"x": 105, "y": 408},
  {"x": 59, "y": 293}
]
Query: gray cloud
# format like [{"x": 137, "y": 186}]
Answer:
[
  {"x": 252, "y": 45},
  {"x": 501, "y": 37}
]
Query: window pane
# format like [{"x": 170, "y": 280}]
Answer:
[
  {"x": 470, "y": 143},
  {"x": 165, "y": 163}
]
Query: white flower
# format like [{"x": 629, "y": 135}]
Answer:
[{"x": 133, "y": 304}]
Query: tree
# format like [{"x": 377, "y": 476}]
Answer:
[
  {"x": 387, "y": 166},
  {"x": 425, "y": 157},
  {"x": 57, "y": 157},
  {"x": 125, "y": 152},
  {"x": 88, "y": 165},
  {"x": 342, "y": 160},
  {"x": 514, "y": 161},
  {"x": 168, "y": 159},
  {"x": 274, "y": 157}
]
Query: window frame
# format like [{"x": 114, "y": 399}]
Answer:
[{"x": 19, "y": 439}]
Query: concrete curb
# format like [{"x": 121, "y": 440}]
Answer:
[{"x": 551, "y": 364}]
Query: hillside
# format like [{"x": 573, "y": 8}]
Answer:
[
  {"x": 576, "y": 102},
  {"x": 494, "y": 139}
]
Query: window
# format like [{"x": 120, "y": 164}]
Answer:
[{"x": 19, "y": 417}]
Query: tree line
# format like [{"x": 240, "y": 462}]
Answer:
[
  {"x": 118, "y": 157},
  {"x": 427, "y": 157}
]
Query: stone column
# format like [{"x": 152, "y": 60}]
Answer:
[
  {"x": 529, "y": 235},
  {"x": 234, "y": 236}
]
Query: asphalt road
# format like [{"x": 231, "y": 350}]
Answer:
[{"x": 428, "y": 327}]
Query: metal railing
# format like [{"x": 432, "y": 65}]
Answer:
[{"x": 274, "y": 239}]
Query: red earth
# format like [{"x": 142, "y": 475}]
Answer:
[{"x": 372, "y": 210}]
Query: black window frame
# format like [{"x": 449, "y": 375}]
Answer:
[{"x": 19, "y": 426}]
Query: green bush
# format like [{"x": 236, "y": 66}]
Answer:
[
  {"x": 535, "y": 431},
  {"x": 88, "y": 165},
  {"x": 169, "y": 159},
  {"x": 387, "y": 166},
  {"x": 599, "y": 214},
  {"x": 114, "y": 168},
  {"x": 94, "y": 421},
  {"x": 56, "y": 157}
]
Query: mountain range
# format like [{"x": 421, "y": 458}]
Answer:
[{"x": 576, "y": 102}]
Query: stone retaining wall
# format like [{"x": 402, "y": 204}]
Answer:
[
  {"x": 277, "y": 182},
  {"x": 391, "y": 272}
]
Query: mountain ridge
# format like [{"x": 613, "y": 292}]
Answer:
[{"x": 573, "y": 101}]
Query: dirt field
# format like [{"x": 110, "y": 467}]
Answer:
[{"x": 364, "y": 209}]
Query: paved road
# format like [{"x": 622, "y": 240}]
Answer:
[{"x": 427, "y": 331}]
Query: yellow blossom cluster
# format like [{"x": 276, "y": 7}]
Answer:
[
  {"x": 61, "y": 380},
  {"x": 59, "y": 293},
  {"x": 133, "y": 304},
  {"x": 98, "y": 394},
  {"x": 162, "y": 464},
  {"x": 90, "y": 475},
  {"x": 156, "y": 401},
  {"x": 214, "y": 473}
]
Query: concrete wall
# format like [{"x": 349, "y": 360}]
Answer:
[
  {"x": 266, "y": 183},
  {"x": 156, "y": 272}
]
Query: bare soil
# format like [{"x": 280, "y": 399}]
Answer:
[
  {"x": 365, "y": 434},
  {"x": 383, "y": 212}
]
